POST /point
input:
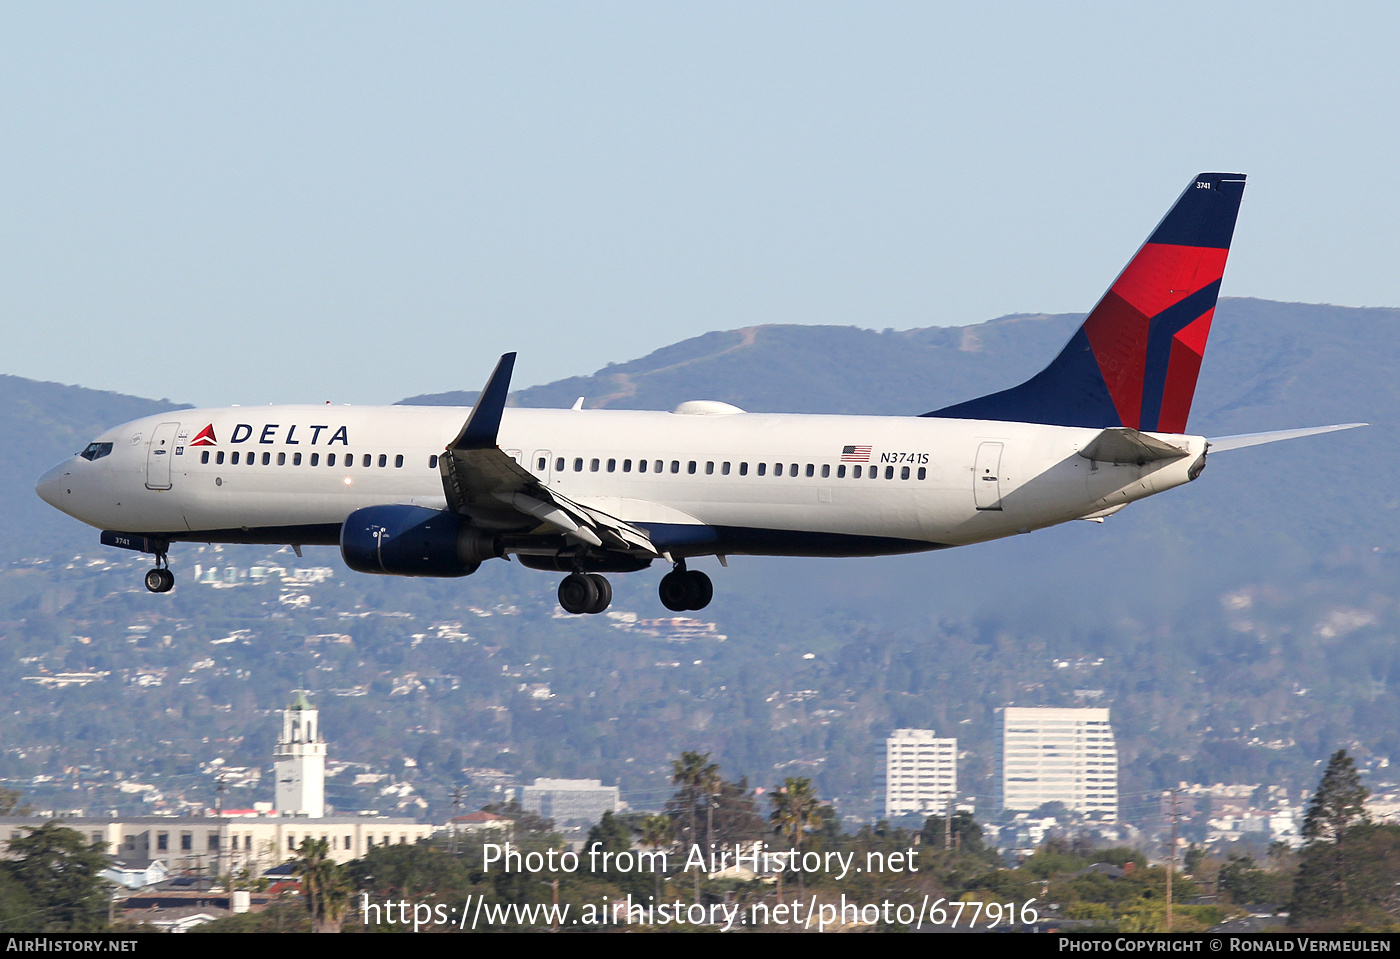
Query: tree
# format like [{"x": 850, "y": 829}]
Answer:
[
  {"x": 9, "y": 803},
  {"x": 795, "y": 810},
  {"x": 658, "y": 831},
  {"x": 324, "y": 883},
  {"x": 1338, "y": 804},
  {"x": 61, "y": 876},
  {"x": 963, "y": 831},
  {"x": 696, "y": 776},
  {"x": 1342, "y": 876}
]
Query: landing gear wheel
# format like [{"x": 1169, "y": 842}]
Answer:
[
  {"x": 704, "y": 590},
  {"x": 674, "y": 591},
  {"x": 604, "y": 593},
  {"x": 160, "y": 580},
  {"x": 578, "y": 593}
]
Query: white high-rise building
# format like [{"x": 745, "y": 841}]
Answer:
[
  {"x": 921, "y": 772},
  {"x": 570, "y": 801},
  {"x": 1059, "y": 755},
  {"x": 300, "y": 764}
]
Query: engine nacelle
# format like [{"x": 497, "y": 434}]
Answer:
[{"x": 414, "y": 541}]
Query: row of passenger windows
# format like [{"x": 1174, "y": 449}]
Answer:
[
  {"x": 693, "y": 466},
  {"x": 346, "y": 459}
]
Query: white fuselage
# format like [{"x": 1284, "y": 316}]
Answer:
[{"x": 711, "y": 482}]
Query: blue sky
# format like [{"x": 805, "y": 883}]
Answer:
[{"x": 259, "y": 203}]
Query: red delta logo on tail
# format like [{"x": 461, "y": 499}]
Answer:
[
  {"x": 1135, "y": 360},
  {"x": 205, "y": 437}
]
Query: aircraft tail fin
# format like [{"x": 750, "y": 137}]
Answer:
[{"x": 1135, "y": 360}]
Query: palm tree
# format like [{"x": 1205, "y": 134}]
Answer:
[
  {"x": 693, "y": 772},
  {"x": 657, "y": 831},
  {"x": 697, "y": 777},
  {"x": 323, "y": 880},
  {"x": 795, "y": 810}
]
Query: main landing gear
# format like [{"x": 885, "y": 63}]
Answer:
[
  {"x": 160, "y": 579},
  {"x": 585, "y": 593},
  {"x": 683, "y": 589}
]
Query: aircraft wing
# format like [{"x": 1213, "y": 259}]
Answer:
[
  {"x": 1223, "y": 444},
  {"x": 482, "y": 482}
]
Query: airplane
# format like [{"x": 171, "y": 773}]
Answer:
[{"x": 435, "y": 491}]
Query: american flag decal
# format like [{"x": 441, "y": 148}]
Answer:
[{"x": 855, "y": 454}]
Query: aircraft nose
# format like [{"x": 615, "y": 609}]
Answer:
[{"x": 52, "y": 486}]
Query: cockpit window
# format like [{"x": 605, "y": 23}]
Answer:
[{"x": 95, "y": 451}]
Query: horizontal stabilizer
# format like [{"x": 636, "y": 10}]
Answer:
[
  {"x": 1123, "y": 445},
  {"x": 1223, "y": 443}
]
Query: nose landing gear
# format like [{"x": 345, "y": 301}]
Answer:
[{"x": 160, "y": 579}]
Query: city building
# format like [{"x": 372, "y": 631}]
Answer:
[
  {"x": 570, "y": 801},
  {"x": 920, "y": 773},
  {"x": 1058, "y": 755},
  {"x": 211, "y": 845},
  {"x": 300, "y": 762}
]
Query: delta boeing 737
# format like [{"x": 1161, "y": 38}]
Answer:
[{"x": 433, "y": 491}]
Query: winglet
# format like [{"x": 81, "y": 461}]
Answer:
[{"x": 480, "y": 429}]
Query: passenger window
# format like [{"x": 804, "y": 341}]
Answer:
[
  {"x": 330, "y": 459},
  {"x": 889, "y": 472},
  {"x": 641, "y": 466},
  {"x": 398, "y": 461},
  {"x": 432, "y": 461},
  {"x": 855, "y": 472},
  {"x": 904, "y": 472},
  {"x": 656, "y": 467},
  {"x": 777, "y": 469},
  {"x": 792, "y": 470},
  {"x": 219, "y": 459},
  {"x": 204, "y": 457},
  {"x": 762, "y": 469},
  {"x": 539, "y": 464},
  {"x": 709, "y": 469},
  {"x": 923, "y": 473},
  {"x": 811, "y": 470},
  {"x": 826, "y": 470},
  {"x": 626, "y": 466},
  {"x": 593, "y": 466},
  {"x": 612, "y": 466},
  {"x": 367, "y": 460},
  {"x": 690, "y": 468},
  {"x": 578, "y": 464},
  {"x": 841, "y": 471},
  {"x": 725, "y": 468},
  {"x": 675, "y": 466},
  {"x": 281, "y": 459},
  {"x": 559, "y": 465},
  {"x": 267, "y": 459},
  {"x": 383, "y": 460},
  {"x": 743, "y": 469}
]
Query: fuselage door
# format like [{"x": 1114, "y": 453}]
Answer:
[
  {"x": 986, "y": 477},
  {"x": 159, "y": 455},
  {"x": 540, "y": 465}
]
